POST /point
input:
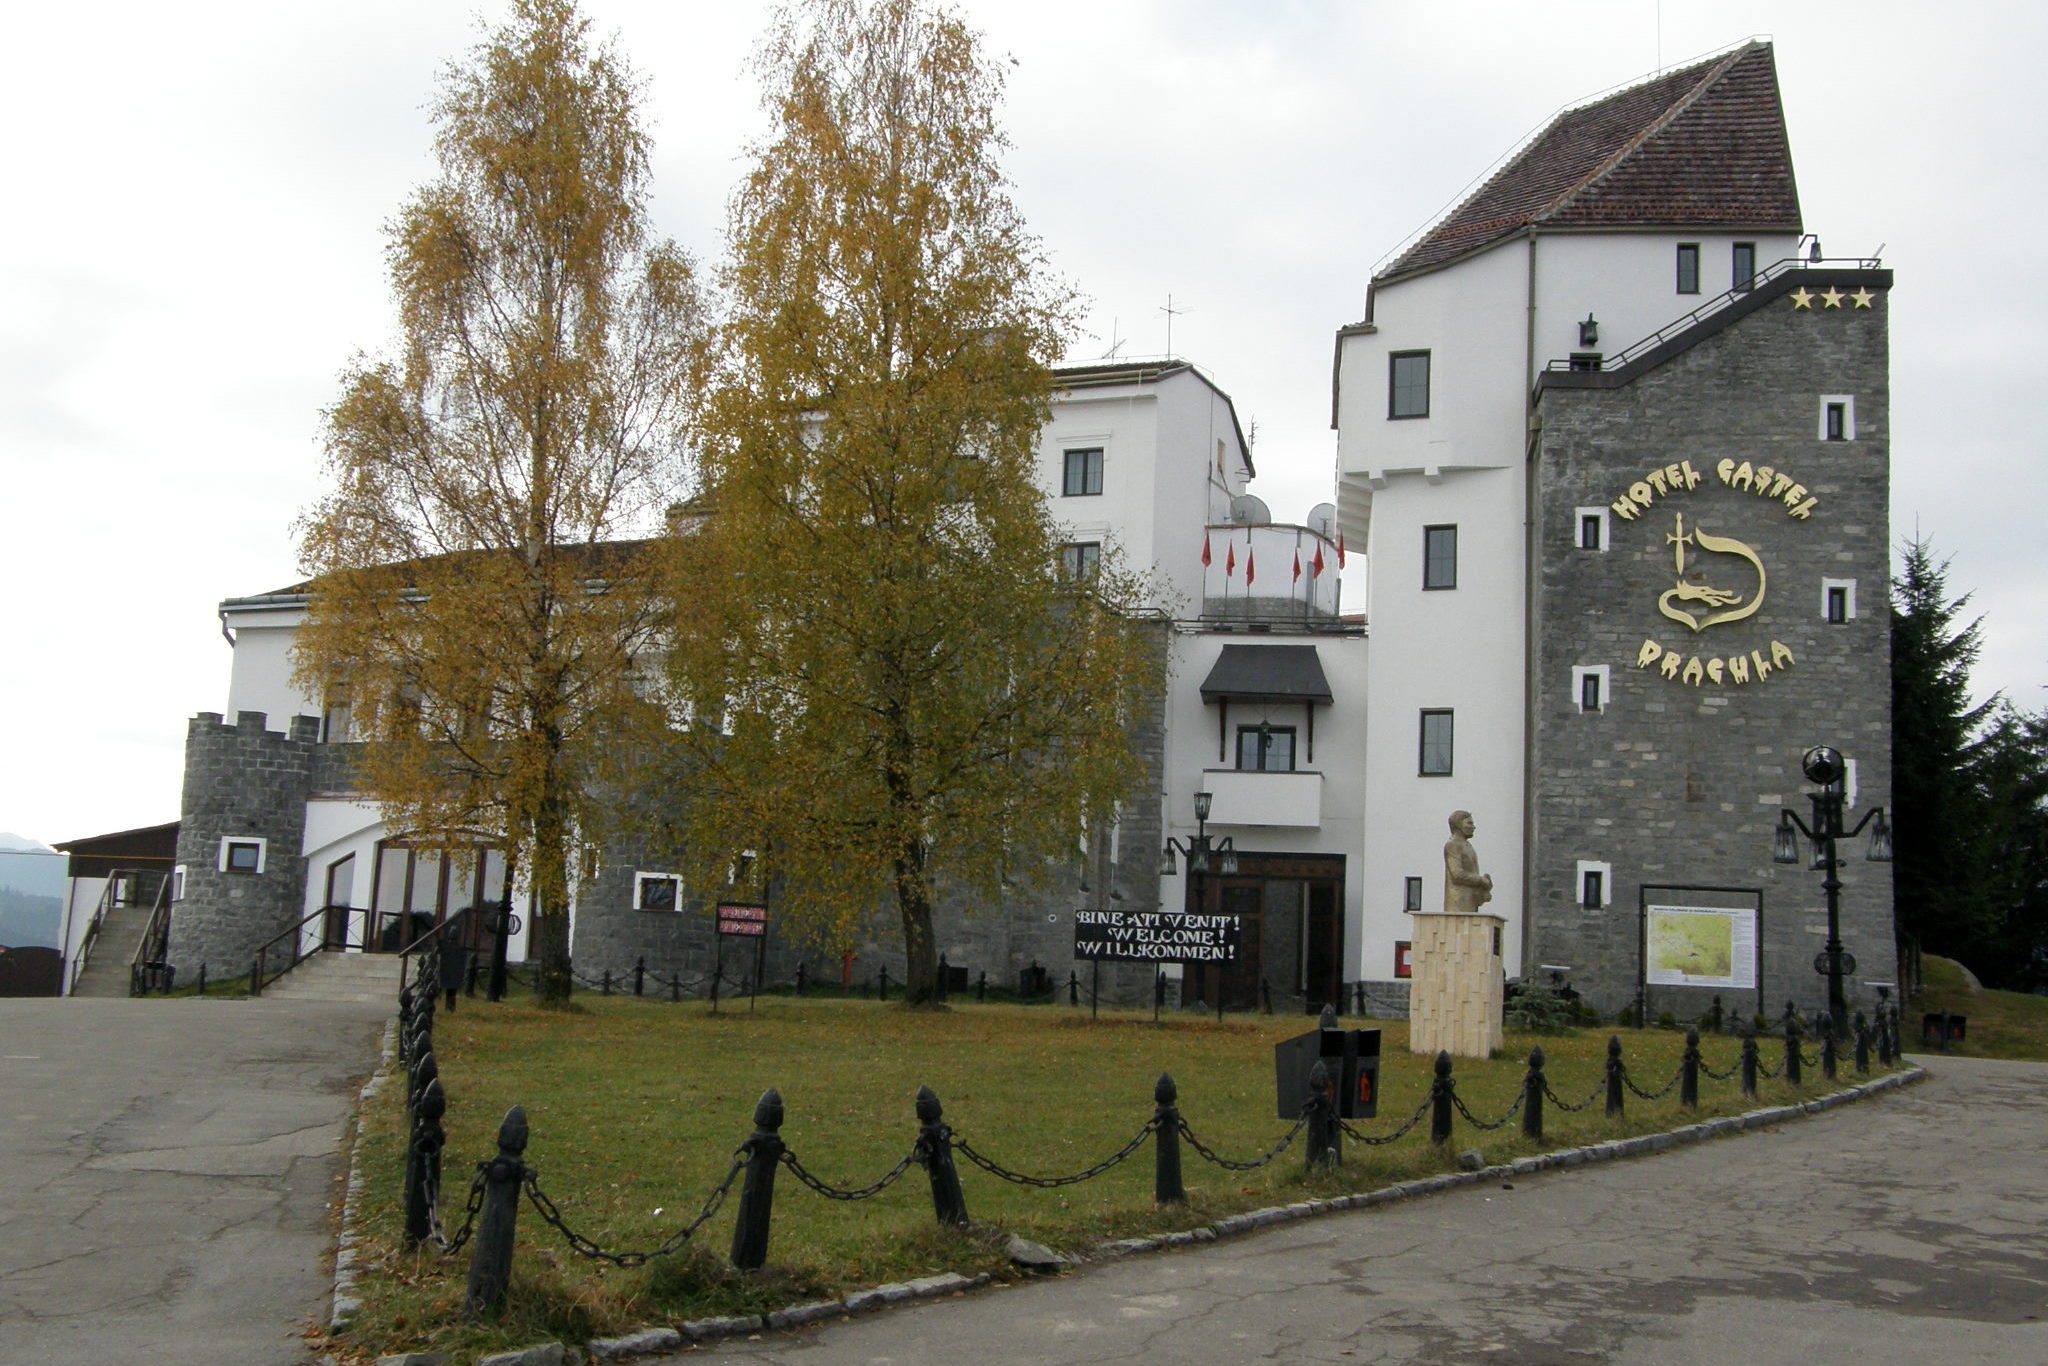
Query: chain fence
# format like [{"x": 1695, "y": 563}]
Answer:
[
  {"x": 996, "y": 1169},
  {"x": 551, "y": 1215},
  {"x": 1381, "y": 1140},
  {"x": 1209, "y": 1154},
  {"x": 1476, "y": 1122},
  {"x": 868, "y": 1192},
  {"x": 1641, "y": 1094}
]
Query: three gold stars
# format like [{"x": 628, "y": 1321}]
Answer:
[{"x": 1831, "y": 297}]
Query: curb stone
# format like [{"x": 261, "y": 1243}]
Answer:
[
  {"x": 345, "y": 1305},
  {"x": 546, "y": 1354},
  {"x": 646, "y": 1342}
]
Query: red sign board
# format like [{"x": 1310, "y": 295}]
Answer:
[{"x": 750, "y": 920}]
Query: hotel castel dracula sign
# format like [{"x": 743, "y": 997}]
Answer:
[{"x": 1716, "y": 580}]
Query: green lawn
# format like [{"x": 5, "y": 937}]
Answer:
[
  {"x": 636, "y": 1108},
  {"x": 2002, "y": 1024}
]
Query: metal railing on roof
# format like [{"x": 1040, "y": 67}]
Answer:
[{"x": 1713, "y": 306}]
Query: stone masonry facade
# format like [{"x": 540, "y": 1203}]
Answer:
[
  {"x": 1679, "y": 774},
  {"x": 244, "y": 781}
]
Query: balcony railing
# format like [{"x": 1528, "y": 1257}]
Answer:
[{"x": 1250, "y": 797}]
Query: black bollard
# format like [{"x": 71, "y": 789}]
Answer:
[
  {"x": 882, "y": 984},
  {"x": 1532, "y": 1095},
  {"x": 1614, "y": 1073},
  {"x": 423, "y": 1161},
  {"x": 490, "y": 1251},
  {"x": 1749, "y": 1064},
  {"x": 1862, "y": 1045},
  {"x": 1792, "y": 1077},
  {"x": 1827, "y": 1047},
  {"x": 800, "y": 979},
  {"x": 1073, "y": 988},
  {"x": 981, "y": 986},
  {"x": 949, "y": 1206},
  {"x": 943, "y": 966},
  {"x": 675, "y": 988},
  {"x": 1266, "y": 996},
  {"x": 1325, "y": 1139},
  {"x": 469, "y": 987},
  {"x": 1158, "y": 992},
  {"x": 1166, "y": 1182},
  {"x": 606, "y": 987},
  {"x": 757, "y": 1195},
  {"x": 202, "y": 979},
  {"x": 1714, "y": 1016},
  {"x": 256, "y": 975},
  {"x": 1689, "y": 1072},
  {"x": 639, "y": 974},
  {"x": 1440, "y": 1101}
]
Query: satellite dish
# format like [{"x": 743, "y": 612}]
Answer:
[
  {"x": 1248, "y": 509},
  {"x": 1322, "y": 520}
]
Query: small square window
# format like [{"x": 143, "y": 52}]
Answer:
[
  {"x": 1838, "y": 601},
  {"x": 657, "y": 892},
  {"x": 1083, "y": 473},
  {"x": 242, "y": 854},
  {"x": 1402, "y": 967},
  {"x": 1081, "y": 559},
  {"x": 1837, "y": 417},
  {"x": 1408, "y": 384},
  {"x": 1439, "y": 557},
  {"x": 1688, "y": 267},
  {"x": 1265, "y": 749},
  {"x": 1592, "y": 889},
  {"x": 1589, "y": 687},
  {"x": 1435, "y": 761},
  {"x": 1742, "y": 265},
  {"x": 1589, "y": 528},
  {"x": 1411, "y": 894}
]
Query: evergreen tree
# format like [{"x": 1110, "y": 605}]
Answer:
[{"x": 1940, "y": 898}]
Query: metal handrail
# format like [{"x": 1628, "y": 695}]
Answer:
[
  {"x": 1716, "y": 305},
  {"x": 261, "y": 974},
  {"x": 154, "y": 934},
  {"x": 92, "y": 936}
]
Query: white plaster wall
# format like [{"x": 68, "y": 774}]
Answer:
[
  {"x": 1192, "y": 750},
  {"x": 1461, "y": 648},
  {"x": 1629, "y": 283},
  {"x": 1124, "y": 422},
  {"x": 260, "y": 676}
]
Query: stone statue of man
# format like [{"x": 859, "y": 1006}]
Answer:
[{"x": 1466, "y": 889}]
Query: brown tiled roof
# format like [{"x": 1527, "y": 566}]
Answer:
[{"x": 1701, "y": 147}]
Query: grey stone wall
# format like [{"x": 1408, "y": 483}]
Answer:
[
  {"x": 242, "y": 779},
  {"x": 1680, "y": 779},
  {"x": 1029, "y": 923}
]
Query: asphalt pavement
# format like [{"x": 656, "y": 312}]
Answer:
[
  {"x": 1908, "y": 1229},
  {"x": 166, "y": 1170}
]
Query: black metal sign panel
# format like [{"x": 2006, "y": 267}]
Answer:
[{"x": 1156, "y": 937}]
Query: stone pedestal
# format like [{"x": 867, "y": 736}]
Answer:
[{"x": 1454, "y": 1003}]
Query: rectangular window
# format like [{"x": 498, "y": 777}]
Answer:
[
  {"x": 178, "y": 882},
  {"x": 1838, "y": 604},
  {"x": 1742, "y": 265},
  {"x": 1589, "y": 531},
  {"x": 1837, "y": 417},
  {"x": 241, "y": 854},
  {"x": 1265, "y": 749},
  {"x": 657, "y": 892},
  {"x": 1081, "y": 559},
  {"x": 1435, "y": 760},
  {"x": 1688, "y": 267},
  {"x": 1084, "y": 473},
  {"x": 1402, "y": 967},
  {"x": 1589, "y": 692},
  {"x": 1440, "y": 557},
  {"x": 1408, "y": 384},
  {"x": 1411, "y": 894},
  {"x": 1592, "y": 889},
  {"x": 1589, "y": 687}
]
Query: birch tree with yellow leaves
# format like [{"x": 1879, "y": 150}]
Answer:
[
  {"x": 478, "y": 599},
  {"x": 887, "y": 684}
]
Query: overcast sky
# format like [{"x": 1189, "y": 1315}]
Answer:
[{"x": 192, "y": 249}]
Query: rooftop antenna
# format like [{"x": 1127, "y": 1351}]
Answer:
[
  {"x": 1251, "y": 434},
  {"x": 1116, "y": 343},
  {"x": 1171, "y": 313}
]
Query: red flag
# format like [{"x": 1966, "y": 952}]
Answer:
[
  {"x": 1340, "y": 550},
  {"x": 1249, "y": 568},
  {"x": 1230, "y": 560},
  {"x": 1297, "y": 564},
  {"x": 1315, "y": 566},
  {"x": 1205, "y": 550}
]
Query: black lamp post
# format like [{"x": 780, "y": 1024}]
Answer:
[
  {"x": 1200, "y": 853},
  {"x": 1825, "y": 768}
]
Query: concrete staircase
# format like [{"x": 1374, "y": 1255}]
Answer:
[
  {"x": 369, "y": 977},
  {"x": 113, "y": 953}
]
